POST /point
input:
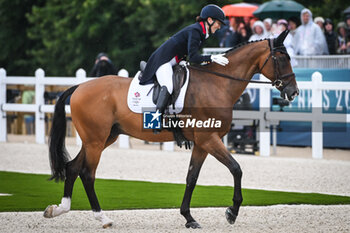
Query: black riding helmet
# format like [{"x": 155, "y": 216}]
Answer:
[{"x": 214, "y": 12}]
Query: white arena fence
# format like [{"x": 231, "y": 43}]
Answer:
[
  {"x": 320, "y": 62},
  {"x": 264, "y": 115},
  {"x": 40, "y": 108}
]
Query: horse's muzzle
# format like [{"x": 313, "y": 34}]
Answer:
[{"x": 289, "y": 93}]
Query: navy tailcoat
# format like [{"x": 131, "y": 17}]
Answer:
[{"x": 185, "y": 43}]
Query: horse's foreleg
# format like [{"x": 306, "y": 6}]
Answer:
[
  {"x": 197, "y": 159},
  {"x": 87, "y": 175},
  {"x": 72, "y": 170},
  {"x": 216, "y": 148}
]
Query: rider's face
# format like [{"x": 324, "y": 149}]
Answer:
[{"x": 216, "y": 26}]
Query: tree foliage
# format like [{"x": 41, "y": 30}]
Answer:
[
  {"x": 70, "y": 33},
  {"x": 13, "y": 36},
  {"x": 61, "y": 36}
]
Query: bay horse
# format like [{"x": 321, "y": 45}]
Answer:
[{"x": 100, "y": 113}]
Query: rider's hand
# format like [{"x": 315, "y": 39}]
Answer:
[
  {"x": 182, "y": 63},
  {"x": 220, "y": 59}
]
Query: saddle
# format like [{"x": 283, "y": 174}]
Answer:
[{"x": 179, "y": 79}]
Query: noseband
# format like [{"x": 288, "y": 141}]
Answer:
[{"x": 278, "y": 78}]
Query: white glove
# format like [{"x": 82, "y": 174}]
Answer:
[
  {"x": 183, "y": 63},
  {"x": 220, "y": 59}
]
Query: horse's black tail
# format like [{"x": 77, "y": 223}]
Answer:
[{"x": 57, "y": 149}]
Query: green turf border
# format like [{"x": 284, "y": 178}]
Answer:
[{"x": 32, "y": 192}]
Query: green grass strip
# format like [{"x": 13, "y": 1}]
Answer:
[{"x": 32, "y": 192}]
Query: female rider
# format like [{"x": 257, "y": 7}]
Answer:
[{"x": 186, "y": 43}]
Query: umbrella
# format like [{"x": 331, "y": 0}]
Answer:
[
  {"x": 239, "y": 9},
  {"x": 277, "y": 9}
]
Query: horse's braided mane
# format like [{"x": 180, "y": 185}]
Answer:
[{"x": 242, "y": 44}]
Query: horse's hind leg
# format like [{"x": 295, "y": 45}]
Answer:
[
  {"x": 87, "y": 175},
  {"x": 72, "y": 170},
  {"x": 197, "y": 159}
]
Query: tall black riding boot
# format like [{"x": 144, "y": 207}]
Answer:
[{"x": 162, "y": 103}]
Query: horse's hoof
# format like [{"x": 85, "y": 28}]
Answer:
[
  {"x": 193, "y": 225},
  {"x": 48, "y": 211},
  {"x": 108, "y": 225},
  {"x": 231, "y": 218}
]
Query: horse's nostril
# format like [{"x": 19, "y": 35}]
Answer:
[{"x": 295, "y": 94}]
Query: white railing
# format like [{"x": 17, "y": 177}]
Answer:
[
  {"x": 320, "y": 62},
  {"x": 329, "y": 62},
  {"x": 264, "y": 115},
  {"x": 317, "y": 117},
  {"x": 40, "y": 108}
]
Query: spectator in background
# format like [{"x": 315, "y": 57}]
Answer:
[
  {"x": 220, "y": 33},
  {"x": 331, "y": 37},
  {"x": 103, "y": 66},
  {"x": 243, "y": 34},
  {"x": 319, "y": 21},
  {"x": 259, "y": 32},
  {"x": 347, "y": 23},
  {"x": 342, "y": 41},
  {"x": 309, "y": 39},
  {"x": 251, "y": 24},
  {"x": 268, "y": 27},
  {"x": 293, "y": 24},
  {"x": 282, "y": 25},
  {"x": 248, "y": 26},
  {"x": 246, "y": 20},
  {"x": 230, "y": 36},
  {"x": 28, "y": 97}
]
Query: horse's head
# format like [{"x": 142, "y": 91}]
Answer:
[{"x": 276, "y": 67}]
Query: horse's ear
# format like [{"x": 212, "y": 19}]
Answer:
[{"x": 279, "y": 40}]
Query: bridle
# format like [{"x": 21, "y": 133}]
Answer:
[{"x": 277, "y": 77}]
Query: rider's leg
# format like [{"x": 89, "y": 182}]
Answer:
[{"x": 165, "y": 79}]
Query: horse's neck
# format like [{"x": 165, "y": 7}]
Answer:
[
  {"x": 216, "y": 91},
  {"x": 244, "y": 61},
  {"x": 243, "y": 64}
]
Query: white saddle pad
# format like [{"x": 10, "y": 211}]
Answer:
[{"x": 140, "y": 96}]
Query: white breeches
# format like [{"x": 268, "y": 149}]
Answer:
[{"x": 165, "y": 74}]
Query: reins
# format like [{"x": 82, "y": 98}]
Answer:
[{"x": 227, "y": 76}]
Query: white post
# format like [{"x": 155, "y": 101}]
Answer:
[
  {"x": 123, "y": 141},
  {"x": 39, "y": 101},
  {"x": 225, "y": 140},
  {"x": 123, "y": 73},
  {"x": 168, "y": 146},
  {"x": 3, "y": 120},
  {"x": 264, "y": 128},
  {"x": 274, "y": 139},
  {"x": 81, "y": 77},
  {"x": 317, "y": 129},
  {"x": 78, "y": 139}
]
